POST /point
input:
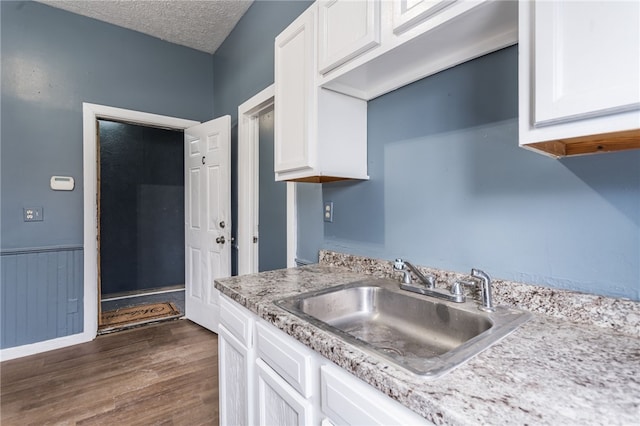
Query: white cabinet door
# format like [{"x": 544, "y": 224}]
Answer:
[
  {"x": 319, "y": 137},
  {"x": 277, "y": 402},
  {"x": 579, "y": 76},
  {"x": 346, "y": 28},
  {"x": 207, "y": 217},
  {"x": 294, "y": 95},
  {"x": 287, "y": 357},
  {"x": 408, "y": 13},
  {"x": 235, "y": 364},
  {"x": 587, "y": 59}
]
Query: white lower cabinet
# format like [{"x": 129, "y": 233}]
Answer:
[
  {"x": 269, "y": 378},
  {"x": 235, "y": 362},
  {"x": 277, "y": 402},
  {"x": 346, "y": 400}
]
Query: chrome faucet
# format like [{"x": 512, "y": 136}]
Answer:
[
  {"x": 485, "y": 289},
  {"x": 429, "y": 281},
  {"x": 406, "y": 268}
]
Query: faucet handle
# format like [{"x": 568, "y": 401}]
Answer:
[
  {"x": 457, "y": 288},
  {"x": 398, "y": 265}
]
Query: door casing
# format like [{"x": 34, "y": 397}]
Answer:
[
  {"x": 248, "y": 190},
  {"x": 90, "y": 115}
]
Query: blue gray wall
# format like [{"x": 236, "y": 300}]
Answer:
[
  {"x": 272, "y": 202},
  {"x": 243, "y": 66},
  {"x": 52, "y": 61},
  {"x": 450, "y": 188}
]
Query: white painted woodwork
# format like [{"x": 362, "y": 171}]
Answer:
[
  {"x": 236, "y": 363},
  {"x": 273, "y": 386},
  {"x": 579, "y": 68},
  {"x": 428, "y": 43},
  {"x": 248, "y": 185},
  {"x": 207, "y": 218},
  {"x": 237, "y": 321},
  {"x": 587, "y": 59},
  {"x": 408, "y": 13},
  {"x": 318, "y": 133},
  {"x": 277, "y": 402},
  {"x": 248, "y": 193},
  {"x": 294, "y": 84},
  {"x": 346, "y": 400},
  {"x": 287, "y": 357},
  {"x": 235, "y": 372},
  {"x": 90, "y": 114},
  {"x": 346, "y": 28}
]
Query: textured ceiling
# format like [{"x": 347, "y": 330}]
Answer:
[{"x": 201, "y": 25}]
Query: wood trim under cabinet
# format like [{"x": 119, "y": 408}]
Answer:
[
  {"x": 591, "y": 144},
  {"x": 318, "y": 179}
]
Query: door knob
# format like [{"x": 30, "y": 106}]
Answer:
[
  {"x": 222, "y": 224},
  {"x": 220, "y": 240}
]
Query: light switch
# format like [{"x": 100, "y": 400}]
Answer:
[
  {"x": 328, "y": 211},
  {"x": 33, "y": 214}
]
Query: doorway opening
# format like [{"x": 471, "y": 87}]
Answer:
[
  {"x": 141, "y": 262},
  {"x": 250, "y": 138},
  {"x": 91, "y": 113}
]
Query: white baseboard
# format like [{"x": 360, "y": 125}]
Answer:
[{"x": 47, "y": 345}]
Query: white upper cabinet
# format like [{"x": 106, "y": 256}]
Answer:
[
  {"x": 320, "y": 135},
  {"x": 294, "y": 87},
  {"x": 418, "y": 38},
  {"x": 408, "y": 13},
  {"x": 579, "y": 76},
  {"x": 346, "y": 28}
]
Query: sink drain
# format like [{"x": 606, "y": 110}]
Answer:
[{"x": 391, "y": 350}]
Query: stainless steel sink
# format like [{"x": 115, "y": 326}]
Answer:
[{"x": 424, "y": 335}]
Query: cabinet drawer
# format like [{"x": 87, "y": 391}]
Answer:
[
  {"x": 348, "y": 401},
  {"x": 237, "y": 320},
  {"x": 286, "y": 356}
]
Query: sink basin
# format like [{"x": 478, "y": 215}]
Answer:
[{"x": 422, "y": 334}]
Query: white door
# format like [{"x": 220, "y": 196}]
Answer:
[{"x": 207, "y": 217}]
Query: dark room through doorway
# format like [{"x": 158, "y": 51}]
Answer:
[{"x": 140, "y": 217}]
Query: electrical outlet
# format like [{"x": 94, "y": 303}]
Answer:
[
  {"x": 328, "y": 211},
  {"x": 33, "y": 214}
]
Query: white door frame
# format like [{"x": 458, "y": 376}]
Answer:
[
  {"x": 248, "y": 189},
  {"x": 90, "y": 115}
]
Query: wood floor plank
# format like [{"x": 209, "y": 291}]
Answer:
[{"x": 161, "y": 374}]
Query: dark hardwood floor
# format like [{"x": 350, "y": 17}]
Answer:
[{"x": 161, "y": 374}]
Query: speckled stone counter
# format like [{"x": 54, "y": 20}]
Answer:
[{"x": 550, "y": 371}]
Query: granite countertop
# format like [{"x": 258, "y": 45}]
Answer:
[{"x": 549, "y": 371}]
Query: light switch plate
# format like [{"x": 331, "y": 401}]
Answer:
[{"x": 328, "y": 211}]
